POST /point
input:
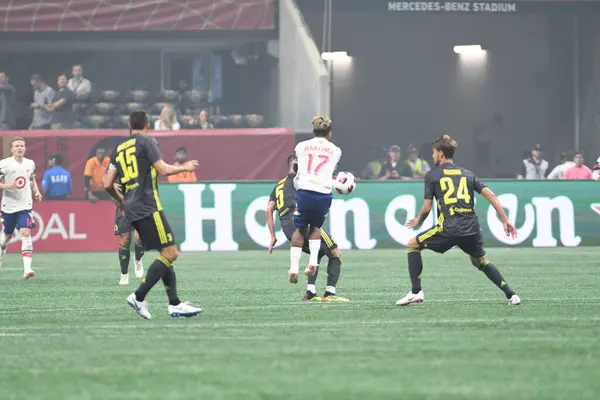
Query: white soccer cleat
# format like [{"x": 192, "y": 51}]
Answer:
[
  {"x": 514, "y": 300},
  {"x": 310, "y": 270},
  {"x": 184, "y": 309},
  {"x": 28, "y": 274},
  {"x": 124, "y": 280},
  {"x": 139, "y": 269},
  {"x": 140, "y": 307},
  {"x": 411, "y": 298}
]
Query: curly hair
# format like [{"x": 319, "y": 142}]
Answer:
[
  {"x": 446, "y": 145},
  {"x": 321, "y": 126}
]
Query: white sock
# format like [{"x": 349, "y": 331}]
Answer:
[
  {"x": 330, "y": 289},
  {"x": 314, "y": 246},
  {"x": 311, "y": 288},
  {"x": 295, "y": 254},
  {"x": 26, "y": 252}
]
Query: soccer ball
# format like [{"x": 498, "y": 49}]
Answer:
[{"x": 344, "y": 183}]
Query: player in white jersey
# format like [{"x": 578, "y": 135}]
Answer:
[
  {"x": 317, "y": 161},
  {"x": 18, "y": 190}
]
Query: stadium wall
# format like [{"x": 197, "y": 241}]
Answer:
[{"x": 230, "y": 217}]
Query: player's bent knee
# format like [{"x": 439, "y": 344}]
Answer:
[
  {"x": 125, "y": 239},
  {"x": 478, "y": 262},
  {"x": 170, "y": 253},
  {"x": 25, "y": 232},
  {"x": 413, "y": 244},
  {"x": 336, "y": 253}
]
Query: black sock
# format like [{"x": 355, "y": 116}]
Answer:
[
  {"x": 312, "y": 279},
  {"x": 139, "y": 252},
  {"x": 415, "y": 267},
  {"x": 170, "y": 281},
  {"x": 495, "y": 276},
  {"x": 124, "y": 255},
  {"x": 334, "y": 267},
  {"x": 155, "y": 272}
]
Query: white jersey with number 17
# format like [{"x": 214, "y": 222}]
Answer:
[
  {"x": 317, "y": 160},
  {"x": 19, "y": 198}
]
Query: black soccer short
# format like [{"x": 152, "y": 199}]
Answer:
[
  {"x": 155, "y": 232},
  {"x": 437, "y": 240},
  {"x": 328, "y": 245},
  {"x": 122, "y": 224}
]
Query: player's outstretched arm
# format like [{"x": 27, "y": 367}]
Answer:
[
  {"x": 425, "y": 210},
  {"x": 167, "y": 169},
  {"x": 271, "y": 224},
  {"x": 509, "y": 229}
]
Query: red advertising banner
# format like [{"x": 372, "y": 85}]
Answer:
[
  {"x": 223, "y": 154},
  {"x": 151, "y": 15},
  {"x": 71, "y": 226}
]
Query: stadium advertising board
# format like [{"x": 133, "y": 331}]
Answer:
[
  {"x": 71, "y": 226},
  {"x": 230, "y": 216}
]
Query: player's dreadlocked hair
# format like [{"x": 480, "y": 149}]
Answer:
[
  {"x": 446, "y": 145},
  {"x": 321, "y": 126}
]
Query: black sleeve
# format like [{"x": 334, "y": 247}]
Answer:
[
  {"x": 272, "y": 196},
  {"x": 407, "y": 171},
  {"x": 152, "y": 150},
  {"x": 87, "y": 180},
  {"x": 429, "y": 187},
  {"x": 113, "y": 157},
  {"x": 478, "y": 186}
]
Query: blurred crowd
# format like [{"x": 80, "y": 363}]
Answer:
[
  {"x": 77, "y": 104},
  {"x": 391, "y": 164}
]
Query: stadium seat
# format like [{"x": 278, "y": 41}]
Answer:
[
  {"x": 184, "y": 121},
  {"x": 97, "y": 121},
  {"x": 108, "y": 96},
  {"x": 169, "y": 96},
  {"x": 137, "y": 96},
  {"x": 103, "y": 108},
  {"x": 254, "y": 120},
  {"x": 128, "y": 108},
  {"x": 122, "y": 121},
  {"x": 194, "y": 99},
  {"x": 236, "y": 120}
]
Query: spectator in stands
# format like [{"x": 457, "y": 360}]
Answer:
[
  {"x": 180, "y": 158},
  {"x": 79, "y": 85},
  {"x": 578, "y": 171},
  {"x": 62, "y": 105},
  {"x": 201, "y": 121},
  {"x": 534, "y": 167},
  {"x": 57, "y": 183},
  {"x": 42, "y": 96},
  {"x": 8, "y": 104},
  {"x": 373, "y": 168},
  {"x": 418, "y": 166},
  {"x": 167, "y": 121},
  {"x": 94, "y": 171},
  {"x": 394, "y": 167},
  {"x": 566, "y": 162}
]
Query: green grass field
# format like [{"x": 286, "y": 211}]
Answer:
[{"x": 68, "y": 334}]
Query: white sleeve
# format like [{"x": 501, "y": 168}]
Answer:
[
  {"x": 157, "y": 125},
  {"x": 555, "y": 173}
]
